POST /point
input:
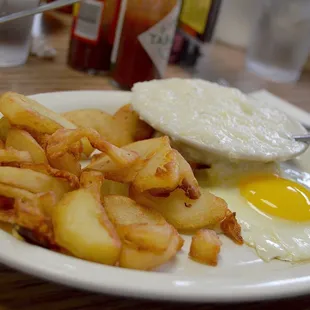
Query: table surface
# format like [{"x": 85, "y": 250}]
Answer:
[{"x": 20, "y": 291}]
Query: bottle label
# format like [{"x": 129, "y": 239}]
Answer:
[
  {"x": 89, "y": 20},
  {"x": 195, "y": 14},
  {"x": 157, "y": 40}
]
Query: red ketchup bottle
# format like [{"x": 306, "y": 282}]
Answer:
[
  {"x": 143, "y": 40},
  {"x": 92, "y": 35}
]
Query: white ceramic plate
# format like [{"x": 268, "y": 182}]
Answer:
[{"x": 240, "y": 275}]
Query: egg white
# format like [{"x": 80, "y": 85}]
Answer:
[{"x": 270, "y": 236}]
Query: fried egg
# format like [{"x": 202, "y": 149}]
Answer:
[
  {"x": 209, "y": 122},
  {"x": 272, "y": 207}
]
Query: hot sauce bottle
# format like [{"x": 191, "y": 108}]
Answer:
[
  {"x": 143, "y": 40},
  {"x": 92, "y": 35},
  {"x": 65, "y": 9}
]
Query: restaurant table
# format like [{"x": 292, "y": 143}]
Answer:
[{"x": 21, "y": 291}]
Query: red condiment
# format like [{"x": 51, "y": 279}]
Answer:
[
  {"x": 142, "y": 58},
  {"x": 65, "y": 9},
  {"x": 92, "y": 35}
]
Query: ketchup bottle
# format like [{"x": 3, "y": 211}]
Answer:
[
  {"x": 143, "y": 40},
  {"x": 92, "y": 35}
]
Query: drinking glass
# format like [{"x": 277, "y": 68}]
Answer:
[
  {"x": 15, "y": 36},
  {"x": 280, "y": 40}
]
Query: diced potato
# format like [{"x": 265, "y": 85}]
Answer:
[
  {"x": 205, "y": 247},
  {"x": 133, "y": 128},
  {"x": 144, "y": 149},
  {"x": 33, "y": 181},
  {"x": 156, "y": 169},
  {"x": 231, "y": 228},
  {"x": 92, "y": 181},
  {"x": 66, "y": 162},
  {"x": 21, "y": 140},
  {"x": 98, "y": 120},
  {"x": 15, "y": 192},
  {"x": 82, "y": 227},
  {"x": 72, "y": 182},
  {"x": 143, "y": 131},
  {"x": 141, "y": 236},
  {"x": 25, "y": 112},
  {"x": 184, "y": 213},
  {"x": 148, "y": 240},
  {"x": 114, "y": 188},
  {"x": 7, "y": 217},
  {"x": 66, "y": 141},
  {"x": 124, "y": 211},
  {"x": 134, "y": 258},
  {"x": 10, "y": 155},
  {"x": 160, "y": 174},
  {"x": 34, "y": 219},
  {"x": 123, "y": 128},
  {"x": 159, "y": 169},
  {"x": 4, "y": 128},
  {"x": 188, "y": 182}
]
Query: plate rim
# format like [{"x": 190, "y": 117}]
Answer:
[{"x": 170, "y": 287}]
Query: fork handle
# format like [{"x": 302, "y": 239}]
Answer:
[
  {"x": 45, "y": 7},
  {"x": 303, "y": 138}
]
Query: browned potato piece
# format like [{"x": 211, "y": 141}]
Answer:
[
  {"x": 133, "y": 127},
  {"x": 148, "y": 240},
  {"x": 188, "y": 181},
  {"x": 143, "y": 131},
  {"x": 124, "y": 211},
  {"x": 160, "y": 173},
  {"x": 68, "y": 178},
  {"x": 141, "y": 236},
  {"x": 114, "y": 188},
  {"x": 4, "y": 128},
  {"x": 25, "y": 112},
  {"x": 123, "y": 128},
  {"x": 32, "y": 218},
  {"x": 159, "y": 169},
  {"x": 15, "y": 192},
  {"x": 11, "y": 155},
  {"x": 205, "y": 247},
  {"x": 98, "y": 120},
  {"x": 92, "y": 181},
  {"x": 146, "y": 148},
  {"x": 156, "y": 168},
  {"x": 21, "y": 140},
  {"x": 113, "y": 171},
  {"x": 33, "y": 181},
  {"x": 139, "y": 255},
  {"x": 65, "y": 141},
  {"x": 66, "y": 162},
  {"x": 231, "y": 228},
  {"x": 82, "y": 228},
  {"x": 182, "y": 212},
  {"x": 7, "y": 217},
  {"x": 33, "y": 222}
]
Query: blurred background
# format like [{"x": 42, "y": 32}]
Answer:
[{"x": 111, "y": 44}]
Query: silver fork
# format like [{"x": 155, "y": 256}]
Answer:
[
  {"x": 45, "y": 7},
  {"x": 303, "y": 138},
  {"x": 4, "y": 8}
]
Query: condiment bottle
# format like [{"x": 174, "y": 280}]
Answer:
[
  {"x": 92, "y": 35},
  {"x": 143, "y": 40},
  {"x": 196, "y": 26},
  {"x": 65, "y": 9}
]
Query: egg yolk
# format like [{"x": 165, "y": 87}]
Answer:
[{"x": 276, "y": 196}]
